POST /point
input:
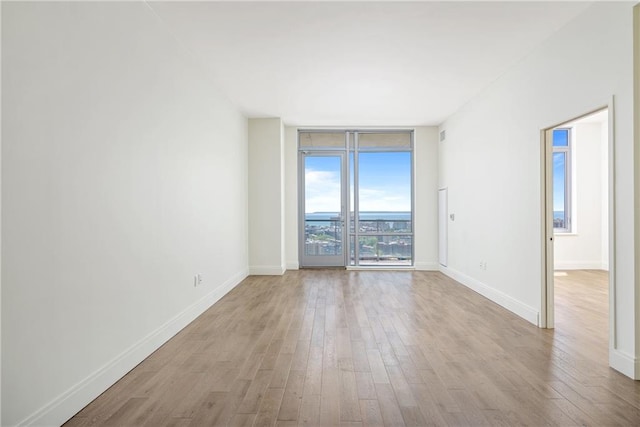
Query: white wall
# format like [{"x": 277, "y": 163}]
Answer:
[
  {"x": 426, "y": 197},
  {"x": 266, "y": 196},
  {"x": 0, "y": 228},
  {"x": 291, "y": 197},
  {"x": 583, "y": 248},
  {"x": 124, "y": 173},
  {"x": 491, "y": 164}
]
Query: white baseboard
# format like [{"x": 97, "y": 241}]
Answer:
[
  {"x": 60, "y": 409},
  {"x": 528, "y": 313},
  {"x": 579, "y": 265},
  {"x": 293, "y": 265},
  {"x": 624, "y": 363},
  {"x": 266, "y": 270},
  {"x": 427, "y": 266}
]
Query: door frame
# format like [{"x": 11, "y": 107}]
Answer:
[
  {"x": 546, "y": 319},
  {"x": 302, "y": 202}
]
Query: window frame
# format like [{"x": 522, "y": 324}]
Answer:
[
  {"x": 568, "y": 182},
  {"x": 352, "y": 148}
]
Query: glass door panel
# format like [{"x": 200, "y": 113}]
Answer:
[
  {"x": 385, "y": 228},
  {"x": 323, "y": 194}
]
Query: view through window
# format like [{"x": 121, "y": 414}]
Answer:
[
  {"x": 372, "y": 192},
  {"x": 562, "y": 180}
]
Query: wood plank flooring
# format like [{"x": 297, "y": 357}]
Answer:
[{"x": 377, "y": 348}]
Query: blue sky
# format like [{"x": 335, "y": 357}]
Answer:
[
  {"x": 322, "y": 184},
  {"x": 558, "y": 181},
  {"x": 560, "y": 139},
  {"x": 385, "y": 182}
]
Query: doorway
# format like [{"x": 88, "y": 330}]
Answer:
[
  {"x": 578, "y": 220},
  {"x": 356, "y": 198}
]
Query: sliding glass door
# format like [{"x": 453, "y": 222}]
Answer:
[{"x": 373, "y": 191}]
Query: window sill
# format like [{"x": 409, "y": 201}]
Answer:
[{"x": 564, "y": 234}]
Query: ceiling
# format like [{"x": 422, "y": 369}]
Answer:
[{"x": 359, "y": 63}]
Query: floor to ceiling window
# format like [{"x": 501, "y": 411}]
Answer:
[{"x": 365, "y": 179}]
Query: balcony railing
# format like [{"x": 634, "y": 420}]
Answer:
[
  {"x": 380, "y": 241},
  {"x": 383, "y": 226},
  {"x": 323, "y": 236}
]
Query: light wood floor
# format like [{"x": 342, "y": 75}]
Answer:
[{"x": 339, "y": 348}]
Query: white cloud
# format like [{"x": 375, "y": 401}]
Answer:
[
  {"x": 322, "y": 191},
  {"x": 384, "y": 199}
]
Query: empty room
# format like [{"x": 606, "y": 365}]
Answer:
[{"x": 320, "y": 213}]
